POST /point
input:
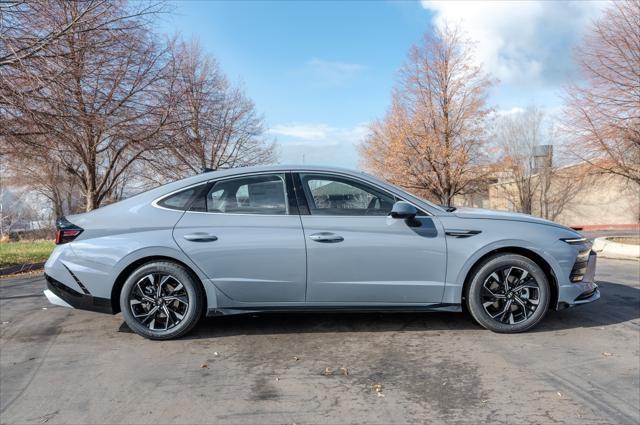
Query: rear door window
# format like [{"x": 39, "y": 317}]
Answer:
[{"x": 263, "y": 194}]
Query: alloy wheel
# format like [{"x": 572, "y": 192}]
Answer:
[
  {"x": 510, "y": 295},
  {"x": 159, "y": 301}
]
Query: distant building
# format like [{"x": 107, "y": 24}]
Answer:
[{"x": 571, "y": 196}]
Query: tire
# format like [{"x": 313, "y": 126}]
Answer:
[
  {"x": 508, "y": 311},
  {"x": 145, "y": 308}
]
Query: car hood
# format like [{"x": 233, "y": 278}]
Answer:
[{"x": 503, "y": 215}]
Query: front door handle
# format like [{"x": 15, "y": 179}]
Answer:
[
  {"x": 326, "y": 237},
  {"x": 200, "y": 237}
]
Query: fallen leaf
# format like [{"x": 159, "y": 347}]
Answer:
[{"x": 204, "y": 366}]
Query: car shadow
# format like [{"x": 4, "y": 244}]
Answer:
[{"x": 618, "y": 304}]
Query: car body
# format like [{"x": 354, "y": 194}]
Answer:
[{"x": 304, "y": 238}]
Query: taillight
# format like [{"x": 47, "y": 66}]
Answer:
[{"x": 66, "y": 231}]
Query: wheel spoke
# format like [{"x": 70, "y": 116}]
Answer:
[
  {"x": 522, "y": 304},
  {"x": 507, "y": 309},
  {"x": 147, "y": 314},
  {"x": 523, "y": 286},
  {"x": 175, "y": 312},
  {"x": 166, "y": 312},
  {"x": 503, "y": 311},
  {"x": 180, "y": 298},
  {"x": 495, "y": 277},
  {"x": 522, "y": 277},
  {"x": 506, "y": 280}
]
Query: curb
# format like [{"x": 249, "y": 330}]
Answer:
[
  {"x": 608, "y": 249},
  {"x": 21, "y": 268}
]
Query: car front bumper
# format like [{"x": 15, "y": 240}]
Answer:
[{"x": 586, "y": 291}]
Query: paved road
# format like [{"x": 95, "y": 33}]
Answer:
[{"x": 579, "y": 366}]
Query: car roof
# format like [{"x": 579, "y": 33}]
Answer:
[
  {"x": 283, "y": 167},
  {"x": 229, "y": 172}
]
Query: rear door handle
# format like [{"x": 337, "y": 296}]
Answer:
[
  {"x": 326, "y": 237},
  {"x": 200, "y": 237}
]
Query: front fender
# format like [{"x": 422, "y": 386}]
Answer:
[{"x": 460, "y": 263}]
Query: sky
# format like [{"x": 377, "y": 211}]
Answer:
[{"x": 321, "y": 71}]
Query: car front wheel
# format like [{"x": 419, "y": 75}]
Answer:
[
  {"x": 161, "y": 300},
  {"x": 509, "y": 293}
]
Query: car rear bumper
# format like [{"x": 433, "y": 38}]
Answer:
[
  {"x": 60, "y": 294},
  {"x": 583, "y": 292}
]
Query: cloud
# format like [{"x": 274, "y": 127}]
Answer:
[
  {"x": 319, "y": 144},
  {"x": 301, "y": 131},
  {"x": 516, "y": 110},
  {"x": 521, "y": 41},
  {"x": 332, "y": 73}
]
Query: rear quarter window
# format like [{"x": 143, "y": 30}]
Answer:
[{"x": 181, "y": 200}]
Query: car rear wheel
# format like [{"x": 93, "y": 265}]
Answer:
[
  {"x": 509, "y": 293},
  {"x": 161, "y": 300}
]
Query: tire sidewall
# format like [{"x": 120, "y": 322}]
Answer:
[
  {"x": 192, "y": 288},
  {"x": 497, "y": 262}
]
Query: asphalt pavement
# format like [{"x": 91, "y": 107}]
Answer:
[{"x": 580, "y": 365}]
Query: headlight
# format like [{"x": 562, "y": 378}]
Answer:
[{"x": 574, "y": 241}]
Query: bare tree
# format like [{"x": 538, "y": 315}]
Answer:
[
  {"x": 27, "y": 30},
  {"x": 603, "y": 114},
  {"x": 92, "y": 101},
  {"x": 433, "y": 137},
  {"x": 214, "y": 124},
  {"x": 531, "y": 181},
  {"x": 516, "y": 137}
]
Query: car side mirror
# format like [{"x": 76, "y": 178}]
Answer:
[{"x": 403, "y": 210}]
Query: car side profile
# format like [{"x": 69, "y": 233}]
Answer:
[{"x": 302, "y": 238}]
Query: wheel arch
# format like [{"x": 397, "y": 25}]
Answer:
[
  {"x": 532, "y": 255},
  {"x": 130, "y": 268}
]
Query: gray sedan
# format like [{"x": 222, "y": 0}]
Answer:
[{"x": 296, "y": 238}]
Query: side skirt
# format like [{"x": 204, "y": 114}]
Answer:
[{"x": 305, "y": 308}]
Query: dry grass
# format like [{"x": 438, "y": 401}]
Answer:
[
  {"x": 630, "y": 240},
  {"x": 23, "y": 252}
]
